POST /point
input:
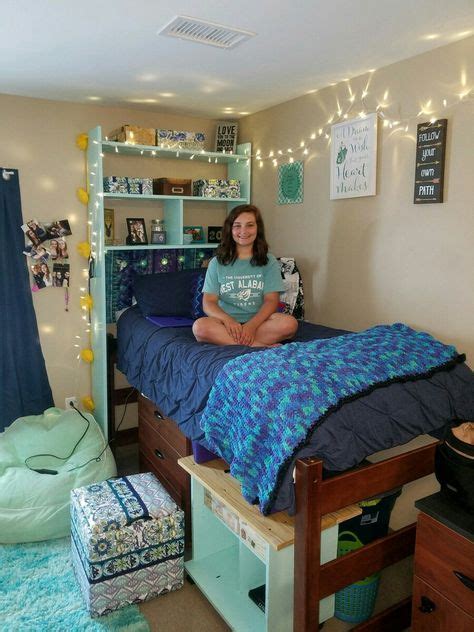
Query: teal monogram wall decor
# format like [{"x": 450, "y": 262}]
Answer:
[{"x": 290, "y": 183}]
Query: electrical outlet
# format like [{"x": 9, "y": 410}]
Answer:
[{"x": 70, "y": 401}]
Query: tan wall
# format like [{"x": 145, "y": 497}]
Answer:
[
  {"x": 364, "y": 260},
  {"x": 380, "y": 259},
  {"x": 38, "y": 138}
]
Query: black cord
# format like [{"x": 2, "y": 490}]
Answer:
[
  {"x": 54, "y": 456},
  {"x": 65, "y": 458},
  {"x": 97, "y": 458}
]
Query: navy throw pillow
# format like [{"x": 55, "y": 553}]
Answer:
[{"x": 165, "y": 293}]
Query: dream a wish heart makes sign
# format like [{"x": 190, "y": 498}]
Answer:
[{"x": 354, "y": 158}]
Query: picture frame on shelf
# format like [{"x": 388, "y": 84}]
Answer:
[
  {"x": 197, "y": 233},
  {"x": 214, "y": 234},
  {"x": 136, "y": 231},
  {"x": 109, "y": 226}
]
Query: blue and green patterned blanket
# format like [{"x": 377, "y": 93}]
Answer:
[{"x": 264, "y": 406}]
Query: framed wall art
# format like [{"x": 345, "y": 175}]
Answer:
[
  {"x": 430, "y": 156},
  {"x": 354, "y": 158}
]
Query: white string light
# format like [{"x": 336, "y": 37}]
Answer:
[{"x": 360, "y": 109}]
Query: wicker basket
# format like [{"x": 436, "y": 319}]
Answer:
[{"x": 355, "y": 603}]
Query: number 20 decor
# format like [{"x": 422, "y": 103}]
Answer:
[{"x": 214, "y": 234}]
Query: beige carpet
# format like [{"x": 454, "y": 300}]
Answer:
[{"x": 185, "y": 610}]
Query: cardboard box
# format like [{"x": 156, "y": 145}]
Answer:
[
  {"x": 134, "y": 135},
  {"x": 180, "y": 140},
  {"x": 171, "y": 186}
]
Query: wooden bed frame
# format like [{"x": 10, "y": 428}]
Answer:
[{"x": 316, "y": 497}]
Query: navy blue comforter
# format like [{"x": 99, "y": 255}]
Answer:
[{"x": 169, "y": 367}]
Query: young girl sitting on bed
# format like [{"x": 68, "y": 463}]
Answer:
[{"x": 241, "y": 288}]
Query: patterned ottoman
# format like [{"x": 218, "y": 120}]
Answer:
[{"x": 127, "y": 542}]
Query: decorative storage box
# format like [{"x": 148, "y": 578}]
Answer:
[
  {"x": 217, "y": 188},
  {"x": 134, "y": 185},
  {"x": 171, "y": 186},
  {"x": 134, "y": 135},
  {"x": 147, "y": 186},
  {"x": 127, "y": 542},
  {"x": 180, "y": 140},
  {"x": 115, "y": 184}
]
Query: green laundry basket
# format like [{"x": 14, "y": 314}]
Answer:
[{"x": 355, "y": 603}]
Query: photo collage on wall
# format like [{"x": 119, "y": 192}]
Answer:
[{"x": 47, "y": 250}]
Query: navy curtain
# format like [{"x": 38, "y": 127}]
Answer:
[{"x": 24, "y": 385}]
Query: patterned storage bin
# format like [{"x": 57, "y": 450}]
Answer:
[
  {"x": 147, "y": 186},
  {"x": 115, "y": 184},
  {"x": 215, "y": 188},
  {"x": 134, "y": 185},
  {"x": 127, "y": 542},
  {"x": 180, "y": 140}
]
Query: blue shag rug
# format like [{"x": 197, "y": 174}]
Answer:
[{"x": 39, "y": 593}]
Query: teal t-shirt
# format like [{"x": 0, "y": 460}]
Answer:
[{"x": 241, "y": 286}]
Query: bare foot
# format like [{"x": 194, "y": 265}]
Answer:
[{"x": 256, "y": 343}]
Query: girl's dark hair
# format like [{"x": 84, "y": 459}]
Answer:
[{"x": 227, "y": 251}]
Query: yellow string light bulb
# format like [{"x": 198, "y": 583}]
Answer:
[
  {"x": 87, "y": 355},
  {"x": 88, "y": 403},
  {"x": 82, "y": 141},
  {"x": 82, "y": 195},
  {"x": 87, "y": 301},
  {"x": 84, "y": 249}
]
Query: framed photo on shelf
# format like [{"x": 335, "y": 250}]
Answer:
[
  {"x": 136, "y": 231},
  {"x": 197, "y": 233},
  {"x": 109, "y": 229}
]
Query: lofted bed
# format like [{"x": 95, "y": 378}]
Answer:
[{"x": 175, "y": 375}]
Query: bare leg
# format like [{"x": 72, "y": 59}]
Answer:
[
  {"x": 209, "y": 329},
  {"x": 276, "y": 328}
]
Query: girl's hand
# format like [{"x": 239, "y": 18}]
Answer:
[
  {"x": 247, "y": 336},
  {"x": 233, "y": 328}
]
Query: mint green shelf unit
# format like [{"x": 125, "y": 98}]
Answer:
[{"x": 238, "y": 166}]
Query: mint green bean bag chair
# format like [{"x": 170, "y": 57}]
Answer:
[{"x": 35, "y": 506}]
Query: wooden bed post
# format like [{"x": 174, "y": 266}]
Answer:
[
  {"x": 309, "y": 474},
  {"x": 314, "y": 498}
]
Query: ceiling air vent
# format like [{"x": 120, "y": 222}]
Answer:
[{"x": 203, "y": 32}]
